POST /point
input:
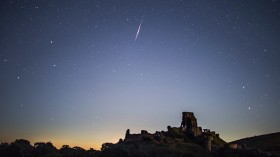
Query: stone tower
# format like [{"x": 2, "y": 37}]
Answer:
[{"x": 189, "y": 123}]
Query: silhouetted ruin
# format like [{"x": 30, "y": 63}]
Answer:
[
  {"x": 189, "y": 124},
  {"x": 188, "y": 129}
]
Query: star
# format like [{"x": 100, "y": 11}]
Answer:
[{"x": 158, "y": 58}]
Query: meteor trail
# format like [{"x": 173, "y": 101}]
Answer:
[{"x": 138, "y": 30}]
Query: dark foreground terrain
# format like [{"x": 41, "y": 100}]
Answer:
[
  {"x": 146, "y": 147},
  {"x": 268, "y": 142},
  {"x": 188, "y": 140}
]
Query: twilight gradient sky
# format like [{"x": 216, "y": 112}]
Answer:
[{"x": 71, "y": 72}]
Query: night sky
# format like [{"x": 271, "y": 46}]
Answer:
[{"x": 82, "y": 72}]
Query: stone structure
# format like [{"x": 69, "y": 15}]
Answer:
[
  {"x": 207, "y": 141},
  {"x": 189, "y": 124},
  {"x": 144, "y": 132},
  {"x": 188, "y": 131},
  {"x": 127, "y": 133},
  {"x": 203, "y": 136}
]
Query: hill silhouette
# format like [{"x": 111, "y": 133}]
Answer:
[
  {"x": 268, "y": 142},
  {"x": 187, "y": 140}
]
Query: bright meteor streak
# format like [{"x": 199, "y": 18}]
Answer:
[{"x": 138, "y": 30}]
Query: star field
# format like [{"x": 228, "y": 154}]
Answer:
[{"x": 82, "y": 72}]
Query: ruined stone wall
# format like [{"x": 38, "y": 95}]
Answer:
[{"x": 189, "y": 123}]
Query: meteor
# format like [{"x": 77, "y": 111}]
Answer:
[{"x": 138, "y": 30}]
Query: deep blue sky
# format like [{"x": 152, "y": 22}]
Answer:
[{"x": 71, "y": 72}]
